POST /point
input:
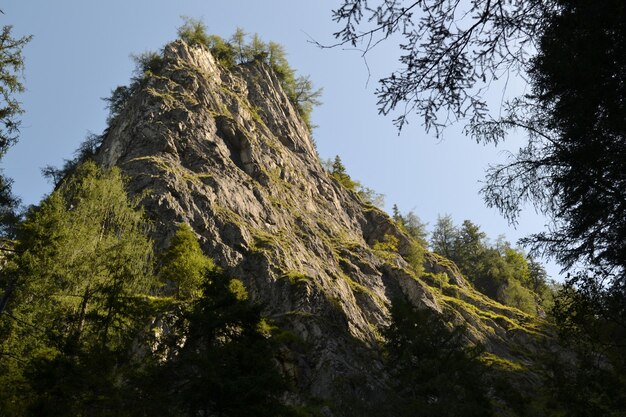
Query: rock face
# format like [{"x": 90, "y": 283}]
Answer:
[{"x": 225, "y": 151}]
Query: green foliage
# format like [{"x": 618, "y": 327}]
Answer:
[
  {"x": 515, "y": 295},
  {"x": 90, "y": 240},
  {"x": 302, "y": 92},
  {"x": 82, "y": 336},
  {"x": 9, "y": 215},
  {"x": 411, "y": 224},
  {"x": 221, "y": 50},
  {"x": 117, "y": 101},
  {"x": 337, "y": 170},
  {"x": 82, "y": 258},
  {"x": 415, "y": 257},
  {"x": 85, "y": 152},
  {"x": 277, "y": 59},
  {"x": 387, "y": 249},
  {"x": 589, "y": 381},
  {"x": 388, "y": 244},
  {"x": 257, "y": 49},
  {"x": 193, "y": 32},
  {"x": 498, "y": 271},
  {"x": 339, "y": 173},
  {"x": 238, "y": 290},
  {"x": 221, "y": 358},
  {"x": 184, "y": 264},
  {"x": 240, "y": 50},
  {"x": 238, "y": 42},
  {"x": 433, "y": 372},
  {"x": 11, "y": 68},
  {"x": 443, "y": 237},
  {"x": 147, "y": 63}
]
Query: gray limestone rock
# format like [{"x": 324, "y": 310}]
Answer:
[{"x": 225, "y": 151}]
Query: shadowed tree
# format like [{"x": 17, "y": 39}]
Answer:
[{"x": 433, "y": 372}]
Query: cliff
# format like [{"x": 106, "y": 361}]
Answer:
[{"x": 225, "y": 151}]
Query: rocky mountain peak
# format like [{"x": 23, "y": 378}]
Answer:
[{"x": 224, "y": 150}]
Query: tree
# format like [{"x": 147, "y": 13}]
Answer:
[
  {"x": 184, "y": 264},
  {"x": 257, "y": 49},
  {"x": 411, "y": 224},
  {"x": 339, "y": 173},
  {"x": 221, "y": 357},
  {"x": 82, "y": 262},
  {"x": 238, "y": 40},
  {"x": 193, "y": 32},
  {"x": 395, "y": 213},
  {"x": 451, "y": 51},
  {"x": 238, "y": 50},
  {"x": 443, "y": 237},
  {"x": 277, "y": 59},
  {"x": 433, "y": 372},
  {"x": 470, "y": 244},
  {"x": 499, "y": 271},
  {"x": 11, "y": 68},
  {"x": 573, "y": 165}
]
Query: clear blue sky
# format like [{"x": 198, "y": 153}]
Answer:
[{"x": 80, "y": 52}]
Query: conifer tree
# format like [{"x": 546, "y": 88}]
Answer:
[
  {"x": 339, "y": 173},
  {"x": 184, "y": 264},
  {"x": 82, "y": 261},
  {"x": 238, "y": 41},
  {"x": 442, "y": 240},
  {"x": 11, "y": 68}
]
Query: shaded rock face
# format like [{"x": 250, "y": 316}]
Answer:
[{"x": 225, "y": 151}]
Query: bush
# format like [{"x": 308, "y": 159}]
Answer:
[
  {"x": 194, "y": 32},
  {"x": 146, "y": 64}
]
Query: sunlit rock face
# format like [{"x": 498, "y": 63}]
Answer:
[{"x": 225, "y": 151}]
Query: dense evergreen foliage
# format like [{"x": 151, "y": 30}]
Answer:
[
  {"x": 220, "y": 357},
  {"x": 88, "y": 324},
  {"x": 81, "y": 260},
  {"x": 498, "y": 270},
  {"x": 184, "y": 265},
  {"x": 11, "y": 68}
]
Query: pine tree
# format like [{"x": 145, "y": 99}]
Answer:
[{"x": 339, "y": 173}]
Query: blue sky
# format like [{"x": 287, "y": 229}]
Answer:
[{"x": 80, "y": 52}]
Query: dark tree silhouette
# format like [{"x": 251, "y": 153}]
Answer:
[{"x": 451, "y": 51}]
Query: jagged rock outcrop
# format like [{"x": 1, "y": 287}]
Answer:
[{"x": 225, "y": 151}]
